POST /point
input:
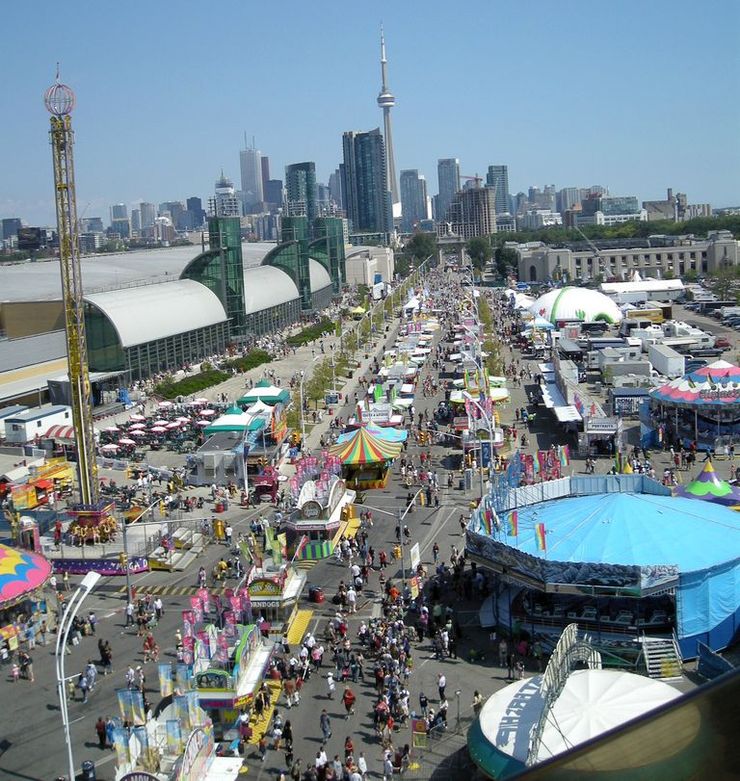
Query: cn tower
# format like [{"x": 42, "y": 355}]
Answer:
[{"x": 386, "y": 101}]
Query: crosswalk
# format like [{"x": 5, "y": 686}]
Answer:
[
  {"x": 171, "y": 591},
  {"x": 306, "y": 566}
]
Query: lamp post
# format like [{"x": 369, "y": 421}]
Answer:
[
  {"x": 70, "y": 613},
  {"x": 489, "y": 425},
  {"x": 303, "y": 421}
]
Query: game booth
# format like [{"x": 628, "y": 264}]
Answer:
[
  {"x": 324, "y": 512},
  {"x": 23, "y": 575},
  {"x": 702, "y": 407},
  {"x": 366, "y": 459},
  {"x": 617, "y": 553}
]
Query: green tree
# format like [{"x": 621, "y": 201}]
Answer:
[
  {"x": 724, "y": 283},
  {"x": 506, "y": 258},
  {"x": 480, "y": 252},
  {"x": 421, "y": 246}
]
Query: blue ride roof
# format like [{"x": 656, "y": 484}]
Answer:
[{"x": 631, "y": 529}]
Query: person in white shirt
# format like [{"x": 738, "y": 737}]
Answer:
[
  {"x": 362, "y": 765},
  {"x": 352, "y": 599}
]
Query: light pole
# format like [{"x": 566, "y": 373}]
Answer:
[
  {"x": 303, "y": 421},
  {"x": 73, "y": 606},
  {"x": 457, "y": 696},
  {"x": 489, "y": 425}
]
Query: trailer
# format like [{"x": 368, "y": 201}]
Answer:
[
  {"x": 27, "y": 426},
  {"x": 666, "y": 360}
]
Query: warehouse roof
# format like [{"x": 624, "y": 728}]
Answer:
[
  {"x": 152, "y": 312},
  {"x": 30, "y": 350}
]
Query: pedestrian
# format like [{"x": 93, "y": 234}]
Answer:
[
  {"x": 362, "y": 765},
  {"x": 435, "y": 552},
  {"x": 92, "y": 620},
  {"x": 325, "y": 723},
  {"x": 503, "y": 652},
  {"x": 477, "y": 703},
  {"x": 423, "y": 704},
  {"x": 130, "y": 610},
  {"x": 441, "y": 685},
  {"x": 65, "y": 580},
  {"x": 330, "y": 685},
  {"x": 348, "y": 698},
  {"x": 262, "y": 747},
  {"x": 83, "y": 686},
  {"x": 158, "y": 608},
  {"x": 102, "y": 732}
]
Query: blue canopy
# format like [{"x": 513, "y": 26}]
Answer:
[{"x": 388, "y": 434}]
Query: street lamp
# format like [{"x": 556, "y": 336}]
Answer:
[
  {"x": 70, "y": 613},
  {"x": 303, "y": 419},
  {"x": 489, "y": 425}
]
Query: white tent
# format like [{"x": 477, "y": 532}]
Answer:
[{"x": 576, "y": 303}]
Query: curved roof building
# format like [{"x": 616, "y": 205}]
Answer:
[{"x": 576, "y": 303}]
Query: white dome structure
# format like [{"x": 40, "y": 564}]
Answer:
[{"x": 576, "y": 303}]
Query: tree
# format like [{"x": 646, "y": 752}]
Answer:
[
  {"x": 507, "y": 258},
  {"x": 421, "y": 246},
  {"x": 724, "y": 282},
  {"x": 480, "y": 252}
]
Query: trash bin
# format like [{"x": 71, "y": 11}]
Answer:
[
  {"x": 316, "y": 594},
  {"x": 88, "y": 771},
  {"x": 468, "y": 479}
]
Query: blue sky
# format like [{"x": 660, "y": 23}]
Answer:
[{"x": 637, "y": 96}]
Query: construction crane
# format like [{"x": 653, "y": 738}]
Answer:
[
  {"x": 60, "y": 101},
  {"x": 477, "y": 179},
  {"x": 594, "y": 249}
]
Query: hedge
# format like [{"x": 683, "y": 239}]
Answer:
[
  {"x": 249, "y": 361},
  {"x": 312, "y": 332},
  {"x": 168, "y": 389}
]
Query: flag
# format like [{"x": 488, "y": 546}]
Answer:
[
  {"x": 277, "y": 554},
  {"x": 174, "y": 737},
  {"x": 564, "y": 455},
  {"x": 539, "y": 533},
  {"x": 120, "y": 744},
  {"x": 513, "y": 522},
  {"x": 125, "y": 705},
  {"x": 485, "y": 515},
  {"x": 283, "y": 540},
  {"x": 137, "y": 702},
  {"x": 246, "y": 553},
  {"x": 165, "y": 679},
  {"x": 301, "y": 545}
]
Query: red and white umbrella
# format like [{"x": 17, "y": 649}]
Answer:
[
  {"x": 183, "y": 420},
  {"x": 111, "y": 429},
  {"x": 136, "y": 427},
  {"x": 137, "y": 418},
  {"x": 138, "y": 433},
  {"x": 207, "y": 413},
  {"x": 202, "y": 423},
  {"x": 109, "y": 448},
  {"x": 126, "y": 441},
  {"x": 201, "y": 401},
  {"x": 164, "y": 404},
  {"x": 173, "y": 425},
  {"x": 158, "y": 430},
  {"x": 160, "y": 422}
]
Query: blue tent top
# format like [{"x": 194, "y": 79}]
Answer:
[
  {"x": 387, "y": 434},
  {"x": 631, "y": 529}
]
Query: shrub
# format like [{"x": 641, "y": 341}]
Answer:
[
  {"x": 169, "y": 389},
  {"x": 249, "y": 361},
  {"x": 311, "y": 332}
]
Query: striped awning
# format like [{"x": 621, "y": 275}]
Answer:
[{"x": 61, "y": 433}]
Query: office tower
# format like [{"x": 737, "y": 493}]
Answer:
[
  {"x": 195, "y": 207},
  {"x": 121, "y": 226},
  {"x": 300, "y": 191},
  {"x": 413, "y": 199},
  {"x": 498, "y": 177},
  {"x": 118, "y": 212},
  {"x": 323, "y": 199},
  {"x": 472, "y": 213},
  {"x": 265, "y": 170},
  {"x": 10, "y": 227},
  {"x": 250, "y": 162},
  {"x": 225, "y": 203},
  {"x": 135, "y": 221},
  {"x": 91, "y": 225},
  {"x": 274, "y": 193},
  {"x": 568, "y": 198},
  {"x": 175, "y": 211},
  {"x": 448, "y": 181},
  {"x": 386, "y": 101},
  {"x": 335, "y": 188},
  {"x": 148, "y": 214},
  {"x": 365, "y": 187}
]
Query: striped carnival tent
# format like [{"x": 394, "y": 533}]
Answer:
[
  {"x": 365, "y": 448},
  {"x": 714, "y": 386},
  {"x": 387, "y": 434}
]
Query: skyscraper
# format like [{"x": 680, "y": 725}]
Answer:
[
  {"x": 365, "y": 186},
  {"x": 335, "y": 188},
  {"x": 413, "y": 198},
  {"x": 225, "y": 203},
  {"x": 265, "y": 169},
  {"x": 498, "y": 177},
  {"x": 300, "y": 188},
  {"x": 118, "y": 212},
  {"x": 195, "y": 206},
  {"x": 448, "y": 180},
  {"x": 472, "y": 213},
  {"x": 250, "y": 163},
  {"x": 148, "y": 214},
  {"x": 386, "y": 101}
]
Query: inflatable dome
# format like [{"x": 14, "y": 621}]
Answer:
[{"x": 576, "y": 303}]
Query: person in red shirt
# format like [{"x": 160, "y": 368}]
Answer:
[{"x": 348, "y": 698}]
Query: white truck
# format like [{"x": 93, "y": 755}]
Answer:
[{"x": 665, "y": 360}]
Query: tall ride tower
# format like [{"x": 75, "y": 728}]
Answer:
[
  {"x": 59, "y": 101},
  {"x": 386, "y": 101}
]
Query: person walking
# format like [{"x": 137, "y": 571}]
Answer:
[
  {"x": 102, "y": 732},
  {"x": 325, "y": 723},
  {"x": 362, "y": 765},
  {"x": 330, "y": 685},
  {"x": 348, "y": 698},
  {"x": 441, "y": 685},
  {"x": 423, "y": 704},
  {"x": 130, "y": 610},
  {"x": 477, "y": 703}
]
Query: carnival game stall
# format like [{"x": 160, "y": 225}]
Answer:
[
  {"x": 615, "y": 552},
  {"x": 323, "y": 511},
  {"x": 702, "y": 407},
  {"x": 366, "y": 459}
]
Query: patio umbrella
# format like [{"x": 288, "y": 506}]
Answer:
[
  {"x": 201, "y": 401},
  {"x": 137, "y": 418},
  {"x": 164, "y": 404},
  {"x": 111, "y": 429},
  {"x": 207, "y": 413},
  {"x": 202, "y": 423},
  {"x": 160, "y": 422},
  {"x": 158, "y": 430},
  {"x": 175, "y": 424},
  {"x": 136, "y": 427},
  {"x": 183, "y": 420},
  {"x": 138, "y": 433},
  {"x": 126, "y": 441},
  {"x": 109, "y": 447}
]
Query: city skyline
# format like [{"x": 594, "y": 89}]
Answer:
[{"x": 614, "y": 115}]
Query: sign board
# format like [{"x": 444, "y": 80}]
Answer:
[
  {"x": 419, "y": 733},
  {"x": 415, "y": 556},
  {"x": 311, "y": 510},
  {"x": 197, "y": 755},
  {"x": 264, "y": 588},
  {"x": 378, "y": 413},
  {"x": 485, "y": 454}
]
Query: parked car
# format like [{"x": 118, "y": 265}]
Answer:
[{"x": 723, "y": 342}]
